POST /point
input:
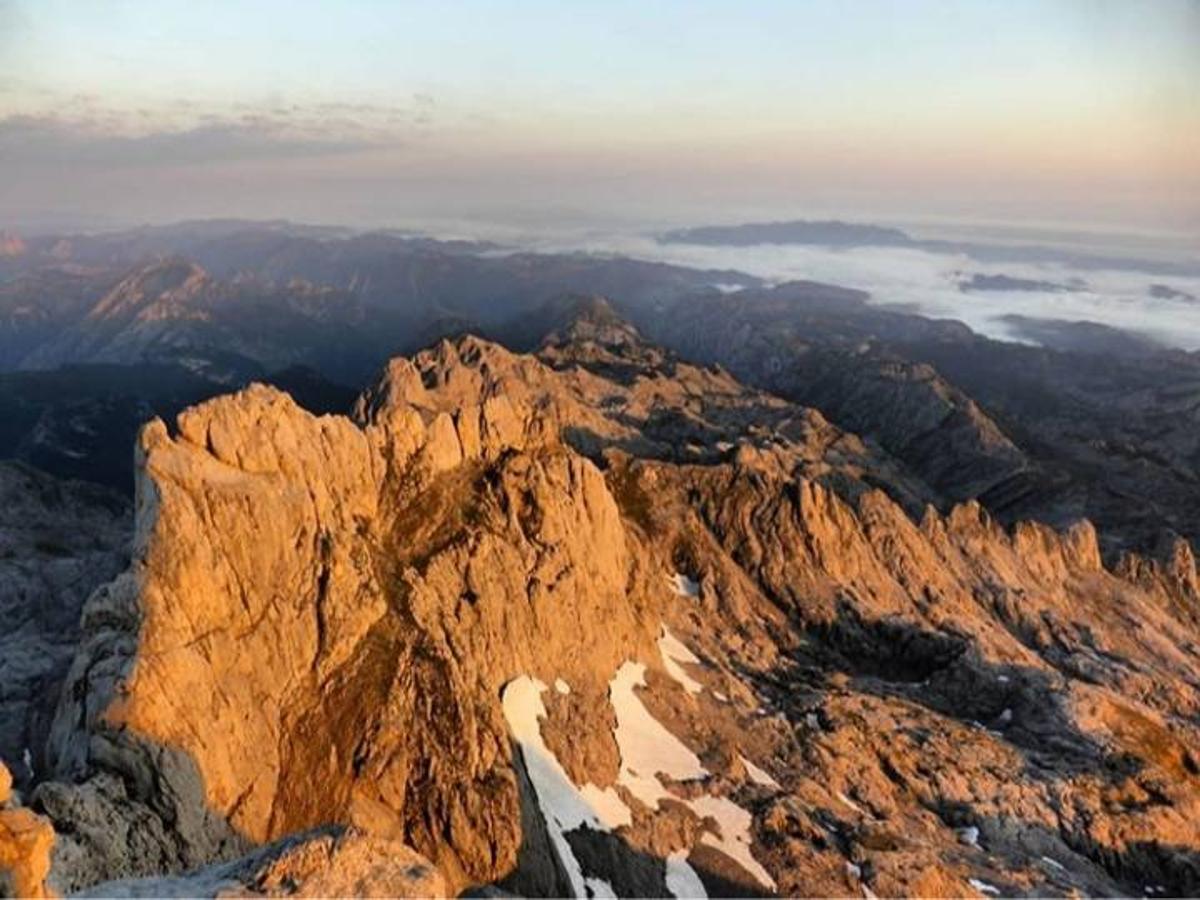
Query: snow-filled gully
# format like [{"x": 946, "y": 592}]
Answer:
[{"x": 649, "y": 754}]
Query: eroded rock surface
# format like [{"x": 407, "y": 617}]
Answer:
[
  {"x": 59, "y": 540},
  {"x": 324, "y": 863},
  {"x": 508, "y": 617},
  {"x": 25, "y": 844}
]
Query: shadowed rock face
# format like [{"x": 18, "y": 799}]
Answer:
[
  {"x": 58, "y": 540},
  {"x": 507, "y": 617},
  {"x": 327, "y": 862}
]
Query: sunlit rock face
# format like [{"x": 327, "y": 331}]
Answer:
[{"x": 598, "y": 621}]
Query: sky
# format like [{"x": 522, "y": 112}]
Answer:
[{"x": 1054, "y": 112}]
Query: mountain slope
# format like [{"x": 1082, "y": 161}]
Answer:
[
  {"x": 172, "y": 311},
  {"x": 1031, "y": 432},
  {"x": 814, "y": 344},
  {"x": 645, "y": 670},
  {"x": 58, "y": 540}
]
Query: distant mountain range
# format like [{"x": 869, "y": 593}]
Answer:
[
  {"x": 833, "y": 233},
  {"x": 96, "y": 337},
  {"x": 232, "y": 298}
]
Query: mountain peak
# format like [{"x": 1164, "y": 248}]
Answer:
[
  {"x": 590, "y": 319},
  {"x": 172, "y": 279}
]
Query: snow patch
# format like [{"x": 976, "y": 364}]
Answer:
[
  {"x": 1054, "y": 863},
  {"x": 647, "y": 748},
  {"x": 599, "y": 888},
  {"x": 673, "y": 653},
  {"x": 757, "y": 775},
  {"x": 969, "y": 836},
  {"x": 684, "y": 586},
  {"x": 649, "y": 753},
  {"x": 983, "y": 887},
  {"x": 727, "y": 288},
  {"x": 848, "y": 802},
  {"x": 564, "y": 807},
  {"x": 682, "y": 880},
  {"x": 734, "y": 840}
]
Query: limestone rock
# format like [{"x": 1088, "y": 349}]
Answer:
[
  {"x": 59, "y": 540},
  {"x": 504, "y": 617},
  {"x": 321, "y": 864},
  {"x": 311, "y": 625},
  {"x": 26, "y": 840},
  {"x": 353, "y": 865}
]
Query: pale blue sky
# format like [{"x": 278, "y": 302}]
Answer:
[{"x": 1054, "y": 110}]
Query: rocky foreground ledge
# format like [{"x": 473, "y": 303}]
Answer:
[{"x": 595, "y": 622}]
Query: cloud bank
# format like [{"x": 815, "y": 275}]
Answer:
[{"x": 930, "y": 284}]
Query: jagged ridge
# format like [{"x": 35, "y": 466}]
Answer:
[{"x": 322, "y": 614}]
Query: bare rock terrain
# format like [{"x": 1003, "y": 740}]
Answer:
[
  {"x": 596, "y": 620},
  {"x": 58, "y": 541},
  {"x": 25, "y": 843}
]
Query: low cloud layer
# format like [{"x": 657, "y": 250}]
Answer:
[{"x": 930, "y": 284}]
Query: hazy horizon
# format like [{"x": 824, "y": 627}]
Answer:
[{"x": 1074, "y": 114}]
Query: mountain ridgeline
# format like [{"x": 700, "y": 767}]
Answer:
[
  {"x": 95, "y": 339},
  {"x": 683, "y": 592}
]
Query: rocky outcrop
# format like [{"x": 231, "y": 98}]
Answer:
[
  {"x": 25, "y": 842},
  {"x": 327, "y": 863},
  {"x": 502, "y": 618},
  {"x": 1034, "y": 702},
  {"x": 818, "y": 347},
  {"x": 59, "y": 540},
  {"x": 1171, "y": 572},
  {"x": 344, "y": 601}
]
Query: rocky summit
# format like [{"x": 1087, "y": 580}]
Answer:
[{"x": 592, "y": 620}]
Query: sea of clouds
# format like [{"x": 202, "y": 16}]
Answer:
[{"x": 929, "y": 283}]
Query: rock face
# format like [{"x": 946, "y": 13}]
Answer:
[
  {"x": 336, "y": 604},
  {"x": 25, "y": 842},
  {"x": 601, "y": 621},
  {"x": 59, "y": 540},
  {"x": 326, "y": 863},
  {"x": 815, "y": 346}
]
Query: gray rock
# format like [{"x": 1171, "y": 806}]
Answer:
[{"x": 58, "y": 541}]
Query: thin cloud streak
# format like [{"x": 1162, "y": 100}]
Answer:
[{"x": 84, "y": 132}]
